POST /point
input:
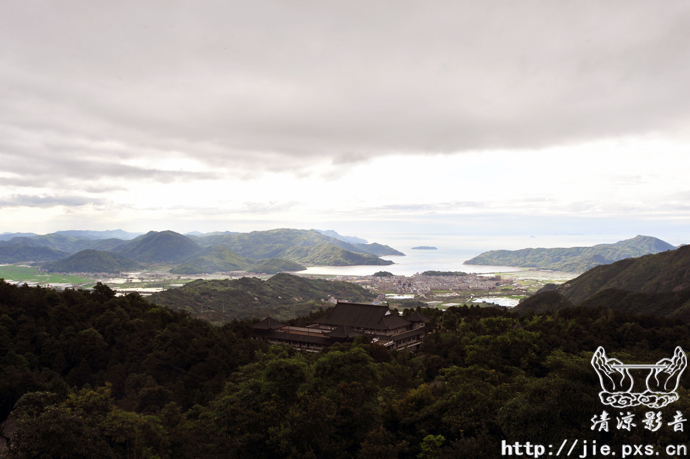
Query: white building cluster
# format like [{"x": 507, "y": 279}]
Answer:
[{"x": 420, "y": 284}]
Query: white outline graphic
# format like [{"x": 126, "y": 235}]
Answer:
[{"x": 617, "y": 383}]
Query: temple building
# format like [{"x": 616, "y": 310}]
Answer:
[{"x": 343, "y": 324}]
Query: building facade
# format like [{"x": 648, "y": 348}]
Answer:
[{"x": 343, "y": 324}]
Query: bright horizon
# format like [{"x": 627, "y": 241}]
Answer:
[{"x": 525, "y": 121}]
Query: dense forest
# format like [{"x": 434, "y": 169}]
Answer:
[{"x": 87, "y": 374}]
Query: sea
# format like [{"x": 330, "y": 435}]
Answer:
[
  {"x": 415, "y": 261},
  {"x": 452, "y": 251}
]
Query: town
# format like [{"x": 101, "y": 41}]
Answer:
[{"x": 423, "y": 285}]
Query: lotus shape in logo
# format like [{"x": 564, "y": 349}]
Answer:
[{"x": 617, "y": 383}]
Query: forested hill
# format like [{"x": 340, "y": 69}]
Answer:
[
  {"x": 654, "y": 284},
  {"x": 20, "y": 253},
  {"x": 259, "y": 251},
  {"x": 86, "y": 374},
  {"x": 299, "y": 246},
  {"x": 93, "y": 261},
  {"x": 331, "y": 255},
  {"x": 159, "y": 247},
  {"x": 149, "y": 357},
  {"x": 573, "y": 259},
  {"x": 664, "y": 272},
  {"x": 222, "y": 259},
  {"x": 673, "y": 305},
  {"x": 283, "y": 297}
]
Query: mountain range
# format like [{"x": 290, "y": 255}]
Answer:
[
  {"x": 259, "y": 251},
  {"x": 221, "y": 259},
  {"x": 573, "y": 259},
  {"x": 20, "y": 253},
  {"x": 93, "y": 261},
  {"x": 656, "y": 284}
]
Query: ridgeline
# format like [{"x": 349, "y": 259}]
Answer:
[
  {"x": 654, "y": 284},
  {"x": 93, "y": 261},
  {"x": 259, "y": 251},
  {"x": 222, "y": 259},
  {"x": 574, "y": 259}
]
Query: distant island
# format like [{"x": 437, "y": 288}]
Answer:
[
  {"x": 424, "y": 247},
  {"x": 573, "y": 259}
]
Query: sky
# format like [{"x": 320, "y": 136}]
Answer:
[{"x": 375, "y": 119}]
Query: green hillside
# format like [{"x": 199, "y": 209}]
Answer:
[
  {"x": 330, "y": 255},
  {"x": 173, "y": 248},
  {"x": 159, "y": 247},
  {"x": 654, "y": 284},
  {"x": 379, "y": 249},
  {"x": 573, "y": 259},
  {"x": 672, "y": 305},
  {"x": 213, "y": 259},
  {"x": 291, "y": 244},
  {"x": 543, "y": 302},
  {"x": 92, "y": 261},
  {"x": 662, "y": 272},
  {"x": 53, "y": 241},
  {"x": 259, "y": 251},
  {"x": 222, "y": 259},
  {"x": 275, "y": 265},
  {"x": 267, "y": 244},
  {"x": 24, "y": 253},
  {"x": 105, "y": 244},
  {"x": 283, "y": 297}
]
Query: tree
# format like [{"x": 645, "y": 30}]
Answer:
[{"x": 58, "y": 432}]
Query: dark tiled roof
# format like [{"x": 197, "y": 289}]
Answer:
[
  {"x": 268, "y": 324},
  {"x": 344, "y": 331},
  {"x": 394, "y": 321},
  {"x": 366, "y": 316},
  {"x": 416, "y": 317}
]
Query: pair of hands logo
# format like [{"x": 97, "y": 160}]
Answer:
[{"x": 617, "y": 383}]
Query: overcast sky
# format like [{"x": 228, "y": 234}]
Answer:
[{"x": 384, "y": 117}]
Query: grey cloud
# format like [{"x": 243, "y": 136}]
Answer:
[
  {"x": 18, "y": 200},
  {"x": 103, "y": 188},
  {"x": 280, "y": 85},
  {"x": 64, "y": 174},
  {"x": 50, "y": 161},
  {"x": 349, "y": 158}
]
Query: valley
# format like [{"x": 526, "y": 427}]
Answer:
[{"x": 158, "y": 261}]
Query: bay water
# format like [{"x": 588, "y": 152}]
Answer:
[{"x": 453, "y": 250}]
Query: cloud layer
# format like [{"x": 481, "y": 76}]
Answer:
[
  {"x": 114, "y": 104},
  {"x": 247, "y": 81}
]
